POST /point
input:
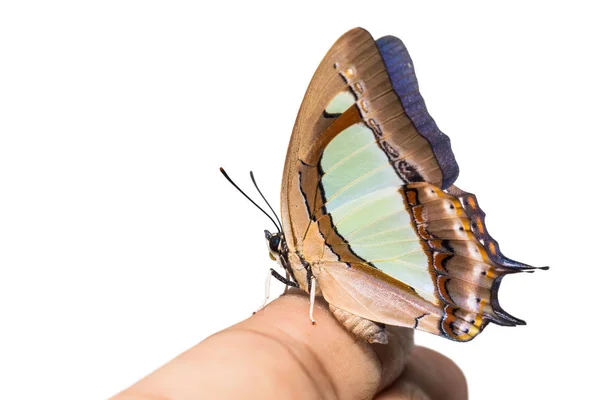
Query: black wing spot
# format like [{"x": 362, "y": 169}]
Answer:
[
  {"x": 418, "y": 319},
  {"x": 327, "y": 115}
]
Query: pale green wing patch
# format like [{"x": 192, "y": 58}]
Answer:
[
  {"x": 361, "y": 190},
  {"x": 345, "y": 144},
  {"x": 369, "y": 207},
  {"x": 340, "y": 103},
  {"x": 377, "y": 227},
  {"x": 352, "y": 165}
]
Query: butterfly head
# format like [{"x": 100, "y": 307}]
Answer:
[{"x": 275, "y": 244}]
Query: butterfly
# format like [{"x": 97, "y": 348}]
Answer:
[{"x": 371, "y": 220}]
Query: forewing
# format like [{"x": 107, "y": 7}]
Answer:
[{"x": 361, "y": 80}]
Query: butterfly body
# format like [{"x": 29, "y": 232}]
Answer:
[{"x": 370, "y": 214}]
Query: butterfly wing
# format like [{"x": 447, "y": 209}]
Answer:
[
  {"x": 368, "y": 201},
  {"x": 354, "y": 73}
]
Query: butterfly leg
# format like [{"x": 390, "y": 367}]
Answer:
[
  {"x": 286, "y": 281},
  {"x": 267, "y": 291},
  {"x": 276, "y": 275},
  {"x": 287, "y": 277},
  {"x": 313, "y": 289}
]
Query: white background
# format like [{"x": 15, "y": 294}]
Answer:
[{"x": 121, "y": 245}]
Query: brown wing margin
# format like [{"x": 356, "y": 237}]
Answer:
[
  {"x": 477, "y": 216},
  {"x": 467, "y": 261}
]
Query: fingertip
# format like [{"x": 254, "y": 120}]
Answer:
[
  {"x": 437, "y": 375},
  {"x": 395, "y": 354},
  {"x": 446, "y": 368},
  {"x": 352, "y": 364}
]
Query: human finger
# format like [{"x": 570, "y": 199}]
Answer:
[
  {"x": 278, "y": 353},
  {"x": 428, "y": 375}
]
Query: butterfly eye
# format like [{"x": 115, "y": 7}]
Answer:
[{"x": 274, "y": 243}]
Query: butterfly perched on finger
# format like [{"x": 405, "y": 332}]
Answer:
[{"x": 371, "y": 219}]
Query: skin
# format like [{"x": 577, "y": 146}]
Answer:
[{"x": 279, "y": 354}]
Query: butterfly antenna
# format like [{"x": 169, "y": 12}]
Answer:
[
  {"x": 246, "y": 196},
  {"x": 263, "y": 197}
]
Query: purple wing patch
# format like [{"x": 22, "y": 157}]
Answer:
[{"x": 401, "y": 71}]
